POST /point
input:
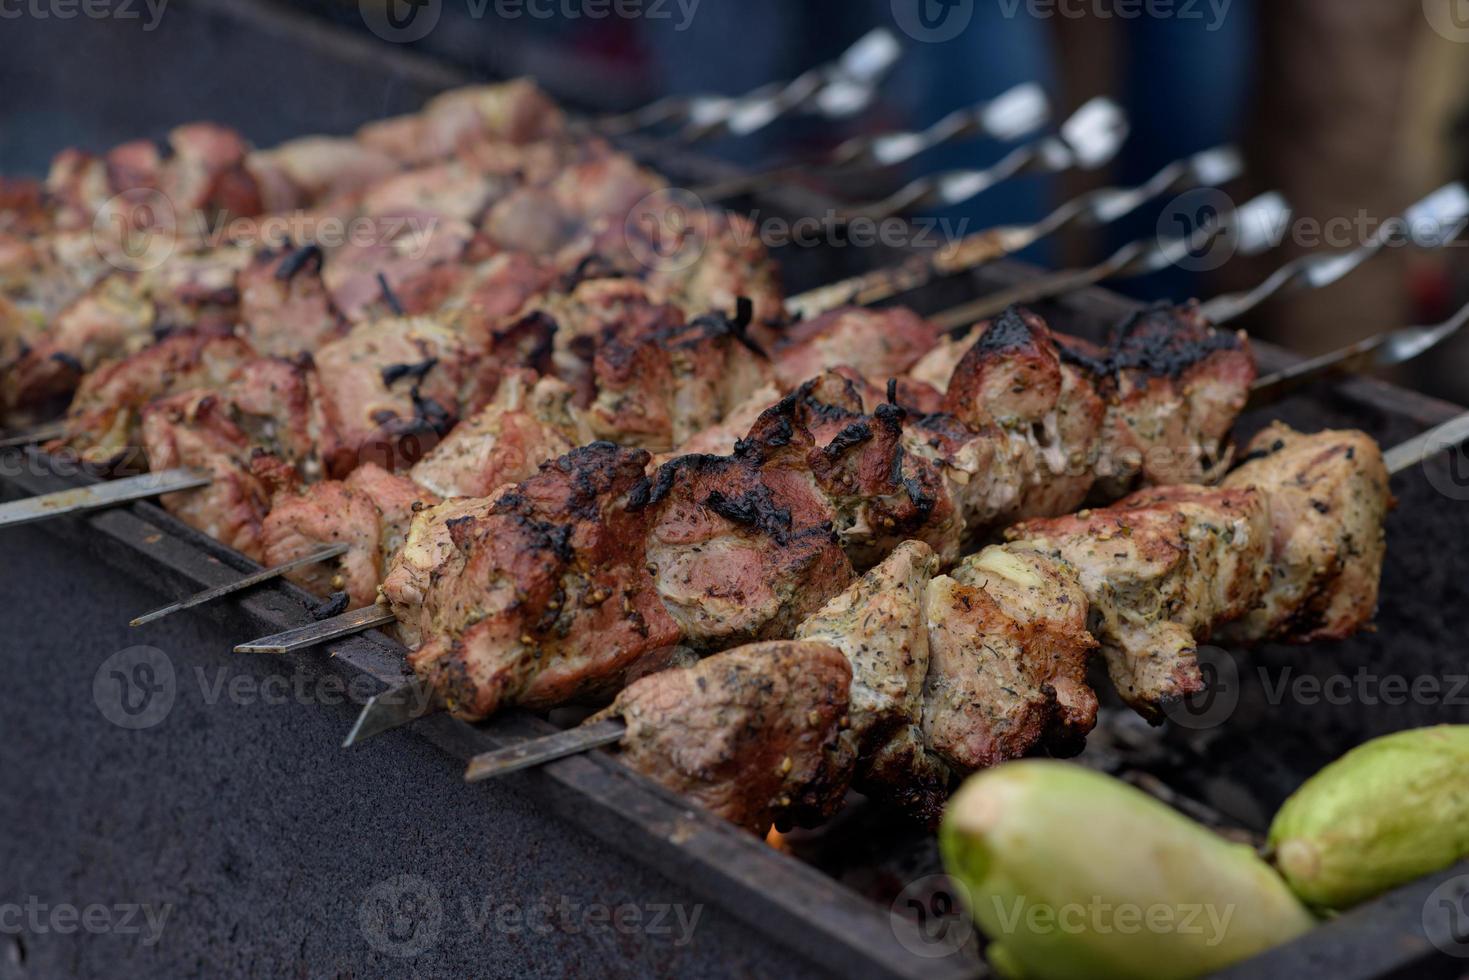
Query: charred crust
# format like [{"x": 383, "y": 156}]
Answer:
[
  {"x": 1161, "y": 341},
  {"x": 1008, "y": 331},
  {"x": 396, "y": 372},
  {"x": 754, "y": 508},
  {"x": 297, "y": 262}
]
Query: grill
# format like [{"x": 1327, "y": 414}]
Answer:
[{"x": 278, "y": 852}]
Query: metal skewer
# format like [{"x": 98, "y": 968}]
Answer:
[
  {"x": 1250, "y": 221},
  {"x": 538, "y": 751},
  {"x": 1209, "y": 168},
  {"x": 835, "y": 90},
  {"x": 1087, "y": 140},
  {"x": 1445, "y": 208},
  {"x": 219, "y": 591},
  {"x": 1378, "y": 351},
  {"x": 100, "y": 495},
  {"x": 327, "y": 629},
  {"x": 1421, "y": 448},
  {"x": 1008, "y": 116},
  {"x": 391, "y": 709},
  {"x": 38, "y": 433}
]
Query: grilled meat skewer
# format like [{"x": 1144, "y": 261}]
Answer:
[{"x": 952, "y": 673}]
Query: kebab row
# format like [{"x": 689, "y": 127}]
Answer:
[{"x": 910, "y": 679}]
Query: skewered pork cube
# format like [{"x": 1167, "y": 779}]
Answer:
[
  {"x": 744, "y": 547},
  {"x": 1329, "y": 498},
  {"x": 259, "y": 431},
  {"x": 755, "y": 735},
  {"x": 313, "y": 169},
  {"x": 553, "y": 602},
  {"x": 284, "y": 306},
  {"x": 1161, "y": 569},
  {"x": 418, "y": 253},
  {"x": 877, "y": 344},
  {"x": 391, "y": 389},
  {"x": 528, "y": 423},
  {"x": 513, "y": 112},
  {"x": 1008, "y": 649},
  {"x": 102, "y": 424},
  {"x": 880, "y": 625},
  {"x": 370, "y": 511}
]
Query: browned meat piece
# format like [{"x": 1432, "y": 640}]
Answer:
[
  {"x": 1008, "y": 652},
  {"x": 743, "y": 547},
  {"x": 717, "y": 260},
  {"x": 391, "y": 389},
  {"x": 112, "y": 320},
  {"x": 487, "y": 309},
  {"x": 102, "y": 423},
  {"x": 207, "y": 172},
  {"x": 313, "y": 169},
  {"x": 512, "y": 112},
  {"x": 755, "y": 735},
  {"x": 1162, "y": 570},
  {"x": 529, "y": 423},
  {"x": 1329, "y": 499},
  {"x": 880, "y": 625},
  {"x": 553, "y": 602},
  {"x": 370, "y": 511},
  {"x": 451, "y": 190},
  {"x": 195, "y": 429},
  {"x": 284, "y": 306},
  {"x": 658, "y": 380},
  {"x": 874, "y": 343},
  {"x": 419, "y": 254},
  {"x": 428, "y": 556},
  {"x": 1174, "y": 386}
]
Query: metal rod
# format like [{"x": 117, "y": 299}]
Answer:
[
  {"x": 1378, "y": 351},
  {"x": 547, "y": 748},
  {"x": 44, "y": 432},
  {"x": 1099, "y": 207},
  {"x": 1010, "y": 115},
  {"x": 1133, "y": 259},
  {"x": 255, "y": 578},
  {"x": 835, "y": 90},
  {"x": 327, "y": 629},
  {"x": 1421, "y": 448},
  {"x": 1447, "y": 207},
  {"x": 393, "y": 708},
  {"x": 80, "y": 499},
  {"x": 1087, "y": 140}
]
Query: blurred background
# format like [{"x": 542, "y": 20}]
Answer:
[{"x": 1351, "y": 108}]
